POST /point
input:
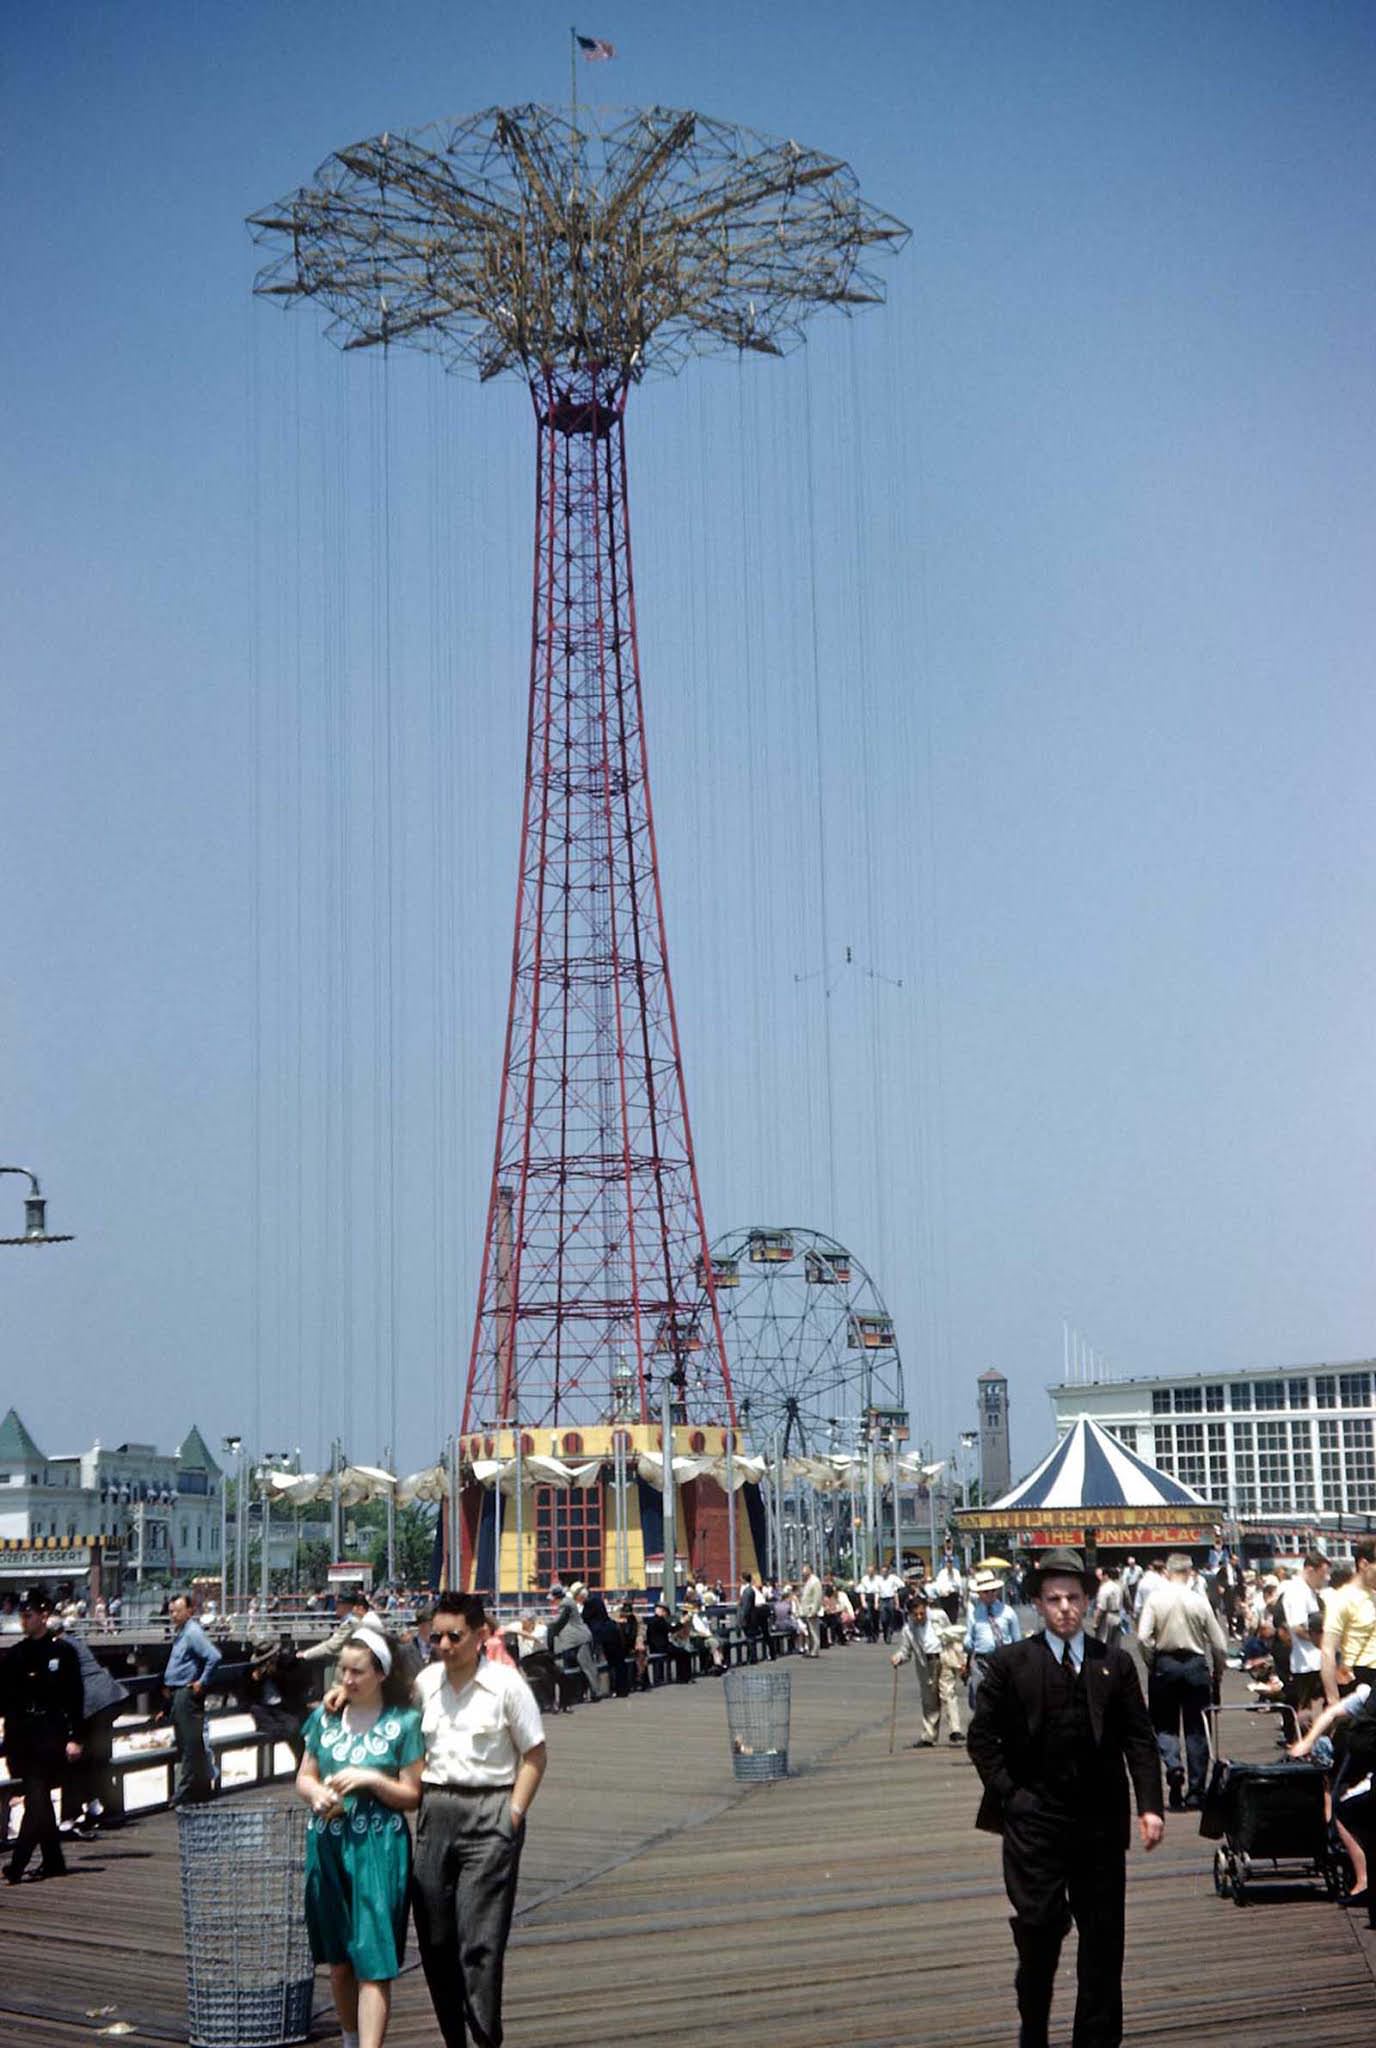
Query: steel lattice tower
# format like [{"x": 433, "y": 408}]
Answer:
[{"x": 581, "y": 253}]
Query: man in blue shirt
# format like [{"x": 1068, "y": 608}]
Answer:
[
  {"x": 192, "y": 1660},
  {"x": 990, "y": 1624}
]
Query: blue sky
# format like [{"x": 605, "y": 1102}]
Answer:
[{"x": 1083, "y": 518}]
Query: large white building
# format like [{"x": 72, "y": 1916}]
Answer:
[
  {"x": 109, "y": 1514},
  {"x": 1294, "y": 1444}
]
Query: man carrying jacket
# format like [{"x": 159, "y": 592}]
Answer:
[
  {"x": 567, "y": 1634},
  {"x": 1059, "y": 1728}
]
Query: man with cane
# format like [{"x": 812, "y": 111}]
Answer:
[{"x": 921, "y": 1643}]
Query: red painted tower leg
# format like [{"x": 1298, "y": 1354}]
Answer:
[{"x": 595, "y": 1237}]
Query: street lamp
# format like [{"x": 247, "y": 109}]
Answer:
[
  {"x": 272, "y": 1461},
  {"x": 36, "y": 1229},
  {"x": 969, "y": 1441},
  {"x": 230, "y": 1446}
]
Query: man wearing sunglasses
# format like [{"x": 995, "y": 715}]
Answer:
[{"x": 484, "y": 1759}]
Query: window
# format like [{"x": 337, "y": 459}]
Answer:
[
  {"x": 1269, "y": 1393},
  {"x": 1273, "y": 1467},
  {"x": 568, "y": 1534},
  {"x": 1242, "y": 1394},
  {"x": 573, "y": 1444},
  {"x": 1189, "y": 1454},
  {"x": 1299, "y": 1393},
  {"x": 1302, "y": 1468},
  {"x": 1244, "y": 1467},
  {"x": 1354, "y": 1390},
  {"x": 1189, "y": 1400},
  {"x": 1160, "y": 1400},
  {"x": 1165, "y": 1449},
  {"x": 1331, "y": 1467},
  {"x": 1126, "y": 1433},
  {"x": 1325, "y": 1391},
  {"x": 1359, "y": 1462},
  {"x": 1213, "y": 1400},
  {"x": 1218, "y": 1462}
]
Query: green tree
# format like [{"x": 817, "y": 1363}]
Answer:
[{"x": 415, "y": 1541}]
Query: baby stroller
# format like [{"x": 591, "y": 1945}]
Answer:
[{"x": 1271, "y": 1813}]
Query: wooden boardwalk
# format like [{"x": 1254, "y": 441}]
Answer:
[{"x": 853, "y": 1904}]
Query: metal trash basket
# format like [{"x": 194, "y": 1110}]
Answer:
[
  {"x": 250, "y": 1974},
  {"x": 757, "y": 1702}
]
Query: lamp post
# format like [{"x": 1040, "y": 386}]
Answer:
[
  {"x": 391, "y": 1519},
  {"x": 36, "y": 1229},
  {"x": 230, "y": 1447},
  {"x": 273, "y": 1461},
  {"x": 668, "y": 1578},
  {"x": 969, "y": 1441}
]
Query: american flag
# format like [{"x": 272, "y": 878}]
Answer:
[{"x": 596, "y": 51}]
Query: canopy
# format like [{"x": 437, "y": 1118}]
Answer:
[
  {"x": 834, "y": 1474},
  {"x": 1091, "y": 1469}
]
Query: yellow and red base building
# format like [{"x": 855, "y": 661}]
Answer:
[{"x": 570, "y": 1533}]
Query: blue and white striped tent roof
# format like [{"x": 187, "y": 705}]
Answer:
[{"x": 1091, "y": 1469}]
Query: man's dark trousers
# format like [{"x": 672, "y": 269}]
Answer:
[
  {"x": 1178, "y": 1688},
  {"x": 194, "y": 1779},
  {"x": 468, "y": 1857},
  {"x": 1057, "y": 1865},
  {"x": 36, "y": 1759}
]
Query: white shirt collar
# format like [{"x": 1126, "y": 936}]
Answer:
[{"x": 1076, "y": 1646}]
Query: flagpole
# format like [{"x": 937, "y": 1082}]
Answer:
[{"x": 573, "y": 74}]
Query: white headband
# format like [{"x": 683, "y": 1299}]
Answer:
[{"x": 372, "y": 1639}]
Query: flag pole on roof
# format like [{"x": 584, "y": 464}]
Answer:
[{"x": 595, "y": 51}]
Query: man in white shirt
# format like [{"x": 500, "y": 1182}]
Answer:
[
  {"x": 810, "y": 1611},
  {"x": 867, "y": 1586},
  {"x": 484, "y": 1759},
  {"x": 1186, "y": 1652},
  {"x": 1302, "y": 1608},
  {"x": 891, "y": 1593},
  {"x": 1151, "y": 1578},
  {"x": 922, "y": 1641},
  {"x": 949, "y": 1586}
]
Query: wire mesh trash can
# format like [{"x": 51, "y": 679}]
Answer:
[
  {"x": 757, "y": 1701},
  {"x": 249, "y": 1970}
]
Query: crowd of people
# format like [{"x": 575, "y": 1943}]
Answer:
[{"x": 436, "y": 1712}]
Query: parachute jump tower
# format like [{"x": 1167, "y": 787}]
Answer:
[{"x": 581, "y": 252}]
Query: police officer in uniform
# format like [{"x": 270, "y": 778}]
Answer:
[{"x": 41, "y": 1699}]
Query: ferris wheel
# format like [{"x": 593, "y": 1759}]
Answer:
[{"x": 812, "y": 1348}]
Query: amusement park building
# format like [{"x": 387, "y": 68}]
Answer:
[
  {"x": 92, "y": 1518},
  {"x": 1291, "y": 1446}
]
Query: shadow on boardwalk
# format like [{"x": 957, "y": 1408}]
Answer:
[{"x": 853, "y": 1904}]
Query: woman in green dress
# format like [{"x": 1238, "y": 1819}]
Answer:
[{"x": 360, "y": 1775}]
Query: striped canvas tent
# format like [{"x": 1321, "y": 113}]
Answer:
[
  {"x": 1091, "y": 1469},
  {"x": 1092, "y": 1481}
]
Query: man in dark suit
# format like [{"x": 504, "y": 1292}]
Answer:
[{"x": 1057, "y": 1718}]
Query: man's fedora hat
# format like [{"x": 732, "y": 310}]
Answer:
[{"x": 1058, "y": 1564}]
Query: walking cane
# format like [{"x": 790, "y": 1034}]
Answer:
[{"x": 893, "y": 1714}]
